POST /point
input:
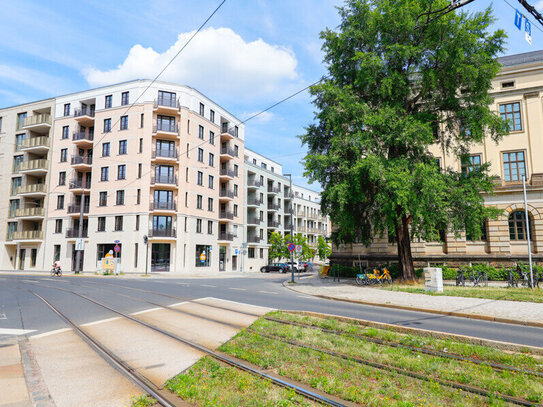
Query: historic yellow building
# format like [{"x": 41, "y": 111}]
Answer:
[{"x": 518, "y": 97}]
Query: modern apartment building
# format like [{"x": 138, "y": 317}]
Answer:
[
  {"x": 518, "y": 98},
  {"x": 133, "y": 160},
  {"x": 271, "y": 207}
]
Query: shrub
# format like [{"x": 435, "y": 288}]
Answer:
[{"x": 337, "y": 270}]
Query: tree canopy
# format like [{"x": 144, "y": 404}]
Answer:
[{"x": 400, "y": 81}]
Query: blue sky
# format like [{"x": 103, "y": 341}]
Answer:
[{"x": 251, "y": 54}]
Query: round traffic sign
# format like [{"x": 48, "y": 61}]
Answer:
[
  {"x": 299, "y": 248},
  {"x": 291, "y": 247},
  {"x": 117, "y": 248}
]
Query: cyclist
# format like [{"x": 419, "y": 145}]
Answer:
[{"x": 57, "y": 267}]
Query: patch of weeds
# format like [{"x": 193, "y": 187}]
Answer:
[{"x": 142, "y": 401}]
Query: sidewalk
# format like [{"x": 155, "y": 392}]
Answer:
[{"x": 513, "y": 312}]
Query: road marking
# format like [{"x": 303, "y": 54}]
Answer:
[
  {"x": 235, "y": 288},
  {"x": 56, "y": 331},
  {"x": 9, "y": 331},
  {"x": 208, "y": 285},
  {"x": 30, "y": 281},
  {"x": 183, "y": 283},
  {"x": 267, "y": 292},
  {"x": 3, "y": 316},
  {"x": 234, "y": 302},
  {"x": 101, "y": 321}
]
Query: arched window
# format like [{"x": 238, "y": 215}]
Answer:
[{"x": 517, "y": 226}]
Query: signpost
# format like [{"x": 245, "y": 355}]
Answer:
[{"x": 117, "y": 249}]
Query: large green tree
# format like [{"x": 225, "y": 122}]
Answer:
[{"x": 402, "y": 78}]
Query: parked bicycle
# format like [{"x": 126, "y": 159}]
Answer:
[
  {"x": 511, "y": 280},
  {"x": 377, "y": 277},
  {"x": 479, "y": 278},
  {"x": 460, "y": 279}
]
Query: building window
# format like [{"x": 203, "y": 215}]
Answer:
[
  {"x": 0, "y": 125},
  {"x": 138, "y": 196},
  {"x": 56, "y": 256},
  {"x": 101, "y": 224},
  {"x": 251, "y": 252},
  {"x": 107, "y": 125},
  {"x": 201, "y": 132},
  {"x": 125, "y": 98},
  {"x": 263, "y": 165},
  {"x": 212, "y": 115},
  {"x": 65, "y": 132},
  {"x": 118, "y": 223},
  {"x": 67, "y": 109},
  {"x": 137, "y": 222},
  {"x": 60, "y": 202},
  {"x": 107, "y": 103},
  {"x": 103, "y": 199},
  {"x": 483, "y": 236},
  {"x": 135, "y": 255},
  {"x": 261, "y": 253},
  {"x": 58, "y": 226},
  {"x": 124, "y": 122},
  {"x": 471, "y": 164},
  {"x": 236, "y": 151},
  {"x": 210, "y": 204},
  {"x": 211, "y": 181},
  {"x": 209, "y": 227},
  {"x": 121, "y": 171},
  {"x": 235, "y": 210},
  {"x": 200, "y": 178},
  {"x": 142, "y": 120},
  {"x": 141, "y": 145},
  {"x": 62, "y": 178},
  {"x": 254, "y": 161},
  {"x": 122, "y": 147},
  {"x": 236, "y": 130},
  {"x": 104, "y": 174},
  {"x": 517, "y": 226},
  {"x": 198, "y": 225},
  {"x": 235, "y": 190},
  {"x": 510, "y": 112},
  {"x": 513, "y": 166},
  {"x": 236, "y": 170},
  {"x": 140, "y": 167},
  {"x": 199, "y": 200},
  {"x": 202, "y": 109},
  {"x": 211, "y": 159},
  {"x": 200, "y": 155},
  {"x": 105, "y": 150},
  {"x": 120, "y": 197},
  {"x": 206, "y": 251},
  {"x": 63, "y": 155},
  {"x": 211, "y": 138}
]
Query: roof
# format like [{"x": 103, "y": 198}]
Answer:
[{"x": 521, "y": 59}]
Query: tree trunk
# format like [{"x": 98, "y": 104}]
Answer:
[{"x": 405, "y": 259}]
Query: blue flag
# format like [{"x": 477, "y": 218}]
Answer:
[{"x": 518, "y": 19}]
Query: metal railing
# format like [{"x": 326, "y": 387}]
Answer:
[
  {"x": 273, "y": 207},
  {"x": 79, "y": 159},
  {"x": 31, "y": 188},
  {"x": 73, "y": 208},
  {"x": 167, "y": 102},
  {"x": 288, "y": 226},
  {"x": 287, "y": 195},
  {"x": 226, "y": 215},
  {"x": 166, "y": 127},
  {"x": 164, "y": 179},
  {"x": 80, "y": 184},
  {"x": 27, "y": 212},
  {"x": 228, "y": 151},
  {"x": 164, "y": 153},
  {"x": 169, "y": 232},
  {"x": 273, "y": 190},
  {"x": 254, "y": 183},
  {"x": 226, "y": 129},
  {"x": 84, "y": 111},
  {"x": 71, "y": 233},
  {"x": 166, "y": 205},
  {"x": 254, "y": 201},
  {"x": 25, "y": 235},
  {"x": 40, "y": 164},
  {"x": 43, "y": 118},
  {"x": 226, "y": 194},
  {"x": 82, "y": 135},
  {"x": 226, "y": 236},
  {"x": 227, "y": 172},
  {"x": 42, "y": 141},
  {"x": 273, "y": 224},
  {"x": 253, "y": 239},
  {"x": 253, "y": 221}
]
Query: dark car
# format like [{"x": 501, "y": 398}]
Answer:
[{"x": 280, "y": 267}]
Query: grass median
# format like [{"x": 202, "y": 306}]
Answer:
[{"x": 491, "y": 293}]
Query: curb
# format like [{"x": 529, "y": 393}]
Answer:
[{"x": 427, "y": 310}]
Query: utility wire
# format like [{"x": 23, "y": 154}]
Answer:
[{"x": 526, "y": 5}]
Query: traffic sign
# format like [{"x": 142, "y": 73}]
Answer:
[
  {"x": 299, "y": 248},
  {"x": 291, "y": 247},
  {"x": 79, "y": 244},
  {"x": 117, "y": 248},
  {"x": 116, "y": 241}
]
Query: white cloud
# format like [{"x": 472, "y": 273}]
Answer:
[
  {"x": 217, "y": 59},
  {"x": 539, "y": 5},
  {"x": 262, "y": 118},
  {"x": 32, "y": 78}
]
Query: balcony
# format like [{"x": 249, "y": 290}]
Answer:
[
  {"x": 312, "y": 216},
  {"x": 79, "y": 184},
  {"x": 225, "y": 215},
  {"x": 273, "y": 207},
  {"x": 82, "y": 162},
  {"x": 83, "y": 138},
  {"x": 164, "y": 154},
  {"x": 300, "y": 213},
  {"x": 254, "y": 221},
  {"x": 166, "y": 130},
  {"x": 288, "y": 208},
  {"x": 163, "y": 206},
  {"x": 39, "y": 145},
  {"x": 162, "y": 233},
  {"x": 253, "y": 184},
  {"x": 164, "y": 180},
  {"x": 166, "y": 105},
  {"x": 227, "y": 173},
  {"x": 39, "y": 123},
  {"x": 74, "y": 233},
  {"x": 287, "y": 195},
  {"x": 254, "y": 202},
  {"x": 273, "y": 190},
  {"x": 301, "y": 229},
  {"x": 34, "y": 167},
  {"x": 84, "y": 116},
  {"x": 228, "y": 153},
  {"x": 273, "y": 224},
  {"x": 253, "y": 239},
  {"x": 25, "y": 235},
  {"x": 288, "y": 226},
  {"x": 226, "y": 194},
  {"x": 227, "y": 132},
  {"x": 229, "y": 237},
  {"x": 34, "y": 213},
  {"x": 32, "y": 190},
  {"x": 76, "y": 209}
]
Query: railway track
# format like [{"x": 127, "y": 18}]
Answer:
[{"x": 149, "y": 387}]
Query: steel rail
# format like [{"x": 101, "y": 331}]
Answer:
[
  {"x": 455, "y": 356},
  {"x": 455, "y": 385},
  {"x": 109, "y": 357}
]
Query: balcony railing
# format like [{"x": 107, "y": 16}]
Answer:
[
  {"x": 253, "y": 239},
  {"x": 273, "y": 207},
  {"x": 287, "y": 195},
  {"x": 254, "y": 201},
  {"x": 25, "y": 235},
  {"x": 167, "y": 102},
  {"x": 312, "y": 216},
  {"x": 78, "y": 159},
  {"x": 227, "y": 172},
  {"x": 32, "y": 188},
  {"x": 254, "y": 183},
  {"x": 43, "y": 118},
  {"x": 273, "y": 190},
  {"x": 287, "y": 209},
  {"x": 85, "y": 111},
  {"x": 226, "y": 236},
  {"x": 73, "y": 208},
  {"x": 226, "y": 129},
  {"x": 302, "y": 229},
  {"x": 74, "y": 233},
  {"x": 169, "y": 128},
  {"x": 40, "y": 164},
  {"x": 170, "y": 232},
  {"x": 164, "y": 179},
  {"x": 226, "y": 194},
  {"x": 167, "y": 205},
  {"x": 288, "y": 226},
  {"x": 300, "y": 213},
  {"x": 164, "y": 153},
  {"x": 82, "y": 135},
  {"x": 27, "y": 212},
  {"x": 228, "y": 151},
  {"x": 253, "y": 221},
  {"x": 273, "y": 224},
  {"x": 226, "y": 215},
  {"x": 42, "y": 141},
  {"x": 80, "y": 184}
]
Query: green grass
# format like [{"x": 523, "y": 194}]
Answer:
[
  {"x": 208, "y": 383},
  {"x": 491, "y": 293},
  {"x": 143, "y": 401}
]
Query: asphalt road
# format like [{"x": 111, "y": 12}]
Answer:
[{"x": 21, "y": 309}]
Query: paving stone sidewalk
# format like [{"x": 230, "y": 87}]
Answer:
[{"x": 497, "y": 310}]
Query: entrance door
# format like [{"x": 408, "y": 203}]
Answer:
[
  {"x": 222, "y": 258},
  {"x": 160, "y": 257},
  {"x": 234, "y": 263},
  {"x": 22, "y": 254}
]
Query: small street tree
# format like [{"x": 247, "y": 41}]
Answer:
[
  {"x": 401, "y": 78},
  {"x": 277, "y": 248},
  {"x": 299, "y": 239},
  {"x": 323, "y": 248}
]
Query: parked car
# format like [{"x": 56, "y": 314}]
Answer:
[
  {"x": 280, "y": 267},
  {"x": 307, "y": 266}
]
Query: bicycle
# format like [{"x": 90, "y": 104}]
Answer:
[
  {"x": 511, "y": 280},
  {"x": 56, "y": 271},
  {"x": 460, "y": 279},
  {"x": 479, "y": 277}
]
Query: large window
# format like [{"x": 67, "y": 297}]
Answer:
[
  {"x": 166, "y": 98},
  {"x": 483, "y": 236},
  {"x": 166, "y": 123},
  {"x": 510, "y": 112},
  {"x": 471, "y": 164},
  {"x": 120, "y": 197},
  {"x": 108, "y": 101},
  {"x": 517, "y": 226},
  {"x": 125, "y": 98},
  {"x": 118, "y": 223},
  {"x": 514, "y": 167},
  {"x": 107, "y": 125},
  {"x": 162, "y": 223},
  {"x": 206, "y": 252}
]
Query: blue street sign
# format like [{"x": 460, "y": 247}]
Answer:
[
  {"x": 291, "y": 247},
  {"x": 528, "y": 31},
  {"x": 518, "y": 19},
  {"x": 116, "y": 241},
  {"x": 210, "y": 248}
]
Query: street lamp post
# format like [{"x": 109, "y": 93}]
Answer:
[
  {"x": 291, "y": 229},
  {"x": 527, "y": 223}
]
